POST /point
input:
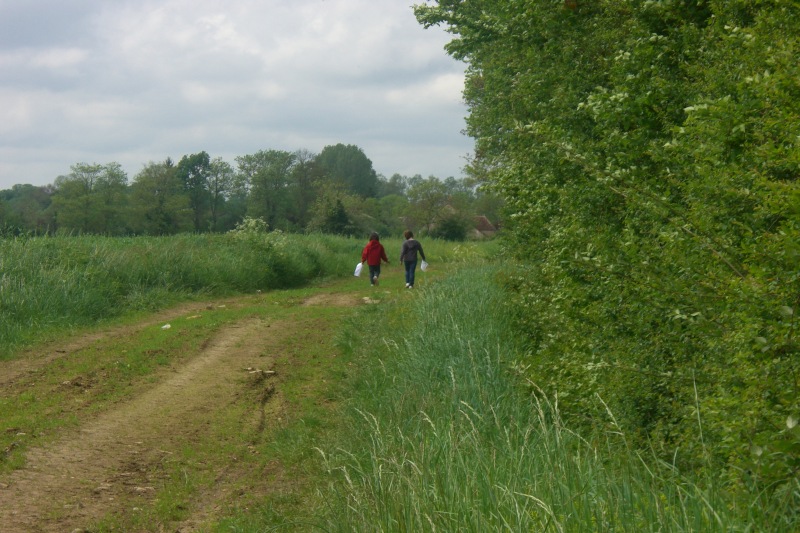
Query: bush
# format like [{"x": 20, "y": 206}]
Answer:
[
  {"x": 452, "y": 228},
  {"x": 648, "y": 156}
]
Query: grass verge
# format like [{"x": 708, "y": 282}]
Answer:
[{"x": 442, "y": 435}]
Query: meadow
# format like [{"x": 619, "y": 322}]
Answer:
[
  {"x": 438, "y": 424},
  {"x": 53, "y": 284}
]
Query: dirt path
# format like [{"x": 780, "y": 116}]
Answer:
[{"x": 117, "y": 458}]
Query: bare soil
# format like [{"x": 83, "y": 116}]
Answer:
[{"x": 116, "y": 459}]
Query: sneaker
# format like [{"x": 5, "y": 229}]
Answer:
[
  {"x": 407, "y": 285},
  {"x": 375, "y": 281}
]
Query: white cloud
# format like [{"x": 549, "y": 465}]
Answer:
[
  {"x": 444, "y": 89},
  {"x": 135, "y": 81},
  {"x": 47, "y": 59},
  {"x": 16, "y": 113}
]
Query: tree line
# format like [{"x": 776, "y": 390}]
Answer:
[
  {"x": 335, "y": 191},
  {"x": 649, "y": 156}
]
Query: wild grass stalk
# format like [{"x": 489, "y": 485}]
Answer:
[
  {"x": 49, "y": 284},
  {"x": 445, "y": 437}
]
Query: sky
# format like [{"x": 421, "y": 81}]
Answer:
[{"x": 137, "y": 81}]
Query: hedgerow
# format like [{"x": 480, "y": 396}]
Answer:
[{"x": 649, "y": 155}]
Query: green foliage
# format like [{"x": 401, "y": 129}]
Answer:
[
  {"x": 25, "y": 208},
  {"x": 648, "y": 156},
  {"x": 250, "y": 229},
  {"x": 302, "y": 190},
  {"x": 158, "y": 205},
  {"x": 391, "y": 209},
  {"x": 429, "y": 200},
  {"x": 91, "y": 199},
  {"x": 349, "y": 167},
  {"x": 267, "y": 174},
  {"x": 54, "y": 283},
  {"x": 441, "y": 436},
  {"x": 193, "y": 171},
  {"x": 396, "y": 185},
  {"x": 336, "y": 191},
  {"x": 221, "y": 179},
  {"x": 331, "y": 213},
  {"x": 451, "y": 228}
]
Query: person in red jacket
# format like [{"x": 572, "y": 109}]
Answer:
[{"x": 373, "y": 254}]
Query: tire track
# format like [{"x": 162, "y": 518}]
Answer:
[{"x": 118, "y": 454}]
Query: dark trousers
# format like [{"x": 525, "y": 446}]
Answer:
[
  {"x": 374, "y": 272},
  {"x": 411, "y": 266}
]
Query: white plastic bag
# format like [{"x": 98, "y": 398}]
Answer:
[
  {"x": 358, "y": 269},
  {"x": 423, "y": 266}
]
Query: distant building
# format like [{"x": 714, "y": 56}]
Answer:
[{"x": 483, "y": 228}]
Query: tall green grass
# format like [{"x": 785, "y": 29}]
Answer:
[
  {"x": 52, "y": 283},
  {"x": 443, "y": 436}
]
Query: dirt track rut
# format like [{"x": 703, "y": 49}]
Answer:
[{"x": 116, "y": 458}]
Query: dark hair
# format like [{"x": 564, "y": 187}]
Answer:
[
  {"x": 407, "y": 234},
  {"x": 374, "y": 236}
]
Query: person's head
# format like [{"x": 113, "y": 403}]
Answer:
[
  {"x": 374, "y": 236},
  {"x": 407, "y": 234}
]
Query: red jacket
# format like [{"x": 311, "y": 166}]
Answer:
[{"x": 373, "y": 253}]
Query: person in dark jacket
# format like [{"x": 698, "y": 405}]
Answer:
[
  {"x": 408, "y": 256},
  {"x": 373, "y": 253}
]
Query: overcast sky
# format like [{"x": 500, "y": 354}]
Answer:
[{"x": 134, "y": 81}]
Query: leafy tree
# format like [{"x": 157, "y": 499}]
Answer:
[
  {"x": 220, "y": 185},
  {"x": 348, "y": 166},
  {"x": 330, "y": 213},
  {"x": 159, "y": 202},
  {"x": 452, "y": 227},
  {"x": 366, "y": 215},
  {"x": 489, "y": 205},
  {"x": 486, "y": 200},
  {"x": 25, "y": 208},
  {"x": 91, "y": 199},
  {"x": 235, "y": 208},
  {"x": 332, "y": 217},
  {"x": 428, "y": 199},
  {"x": 267, "y": 174},
  {"x": 193, "y": 170},
  {"x": 302, "y": 188},
  {"x": 392, "y": 211},
  {"x": 396, "y": 185},
  {"x": 112, "y": 189}
]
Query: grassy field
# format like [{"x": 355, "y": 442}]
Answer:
[
  {"x": 74, "y": 368},
  {"x": 411, "y": 414},
  {"x": 52, "y": 285}
]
